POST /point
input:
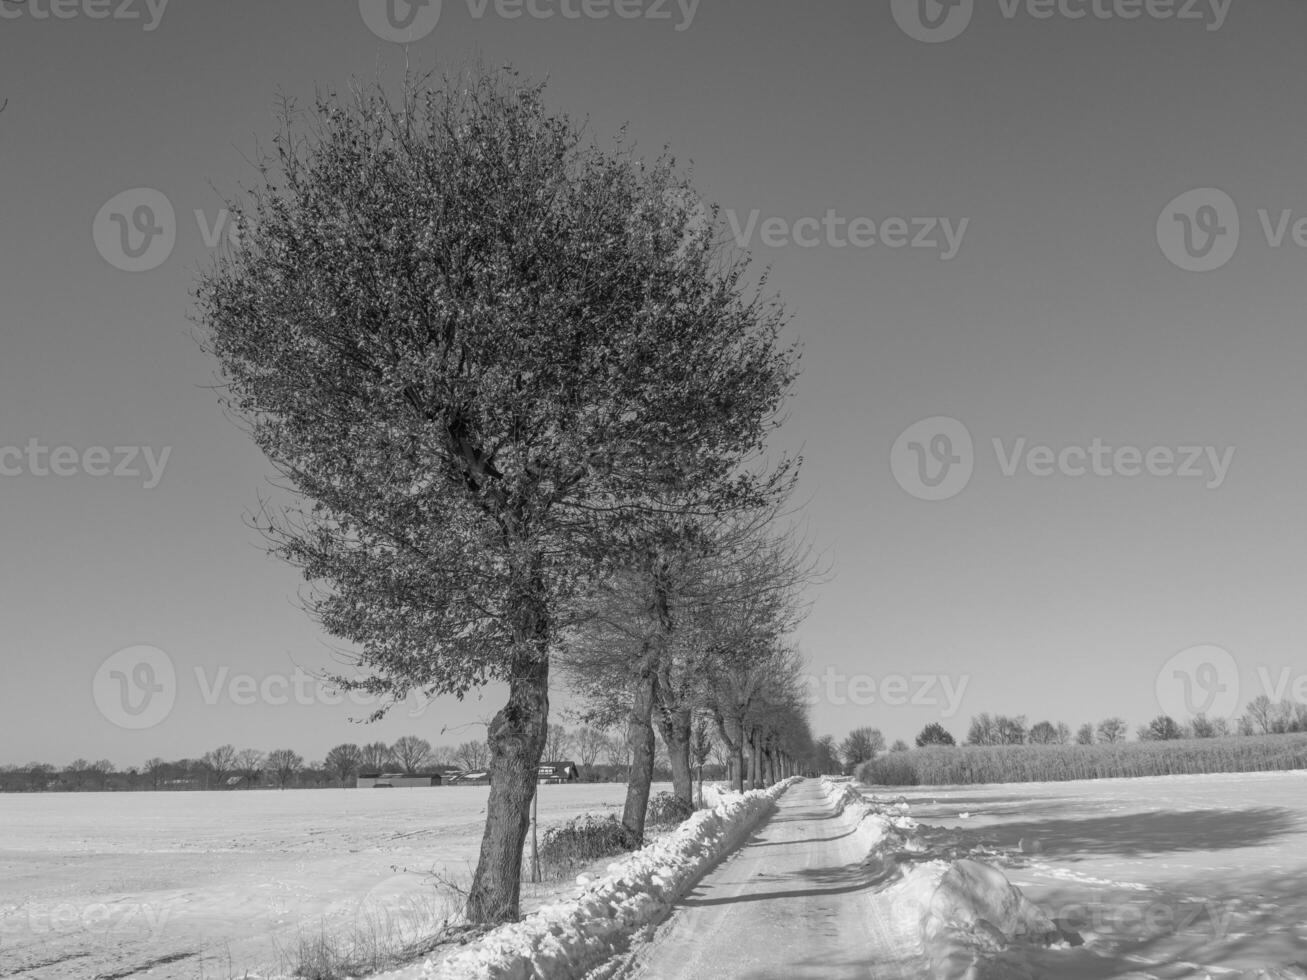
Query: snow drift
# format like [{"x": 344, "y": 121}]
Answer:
[
  {"x": 966, "y": 913},
  {"x": 568, "y": 938}
]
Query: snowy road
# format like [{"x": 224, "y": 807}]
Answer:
[{"x": 796, "y": 902}]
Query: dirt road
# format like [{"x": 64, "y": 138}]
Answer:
[{"x": 796, "y": 902}]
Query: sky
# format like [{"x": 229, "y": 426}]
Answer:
[{"x": 1046, "y": 269}]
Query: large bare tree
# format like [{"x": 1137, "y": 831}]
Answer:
[
  {"x": 411, "y": 752},
  {"x": 343, "y": 762},
  {"x": 376, "y": 755}
]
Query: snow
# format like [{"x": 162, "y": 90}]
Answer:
[
  {"x": 568, "y": 938},
  {"x": 1172, "y": 877},
  {"x": 962, "y": 911},
  {"x": 228, "y": 881},
  {"x": 1179, "y": 876}
]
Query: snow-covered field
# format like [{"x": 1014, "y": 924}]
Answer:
[
  {"x": 1186, "y": 876},
  {"x": 1179, "y": 876},
  {"x": 211, "y": 885}
]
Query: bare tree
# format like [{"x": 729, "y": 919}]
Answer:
[
  {"x": 283, "y": 765},
  {"x": 411, "y": 752},
  {"x": 861, "y": 745},
  {"x": 376, "y": 756},
  {"x": 1043, "y": 733},
  {"x": 557, "y": 743},
  {"x": 1011, "y": 729},
  {"x": 982, "y": 731},
  {"x": 472, "y": 755},
  {"x": 99, "y": 772},
  {"x": 589, "y": 743},
  {"x": 1299, "y": 723},
  {"x": 1112, "y": 730},
  {"x": 934, "y": 734},
  {"x": 249, "y": 762},
  {"x": 155, "y": 768},
  {"x": 442, "y": 755},
  {"x": 1261, "y": 714},
  {"x": 343, "y": 762},
  {"x": 618, "y": 750},
  {"x": 220, "y": 762}
]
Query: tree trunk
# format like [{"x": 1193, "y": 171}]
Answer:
[
  {"x": 679, "y": 753},
  {"x": 640, "y": 738},
  {"x": 735, "y": 768},
  {"x": 647, "y": 698},
  {"x": 674, "y": 725},
  {"x": 516, "y": 738}
]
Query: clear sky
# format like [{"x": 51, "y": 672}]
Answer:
[{"x": 1058, "y": 318}]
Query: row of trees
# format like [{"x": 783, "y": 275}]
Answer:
[
  {"x": 519, "y": 394},
  {"x": 1262, "y": 716},
  {"x": 687, "y": 645}
]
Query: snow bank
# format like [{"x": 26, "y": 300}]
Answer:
[
  {"x": 714, "y": 794},
  {"x": 967, "y": 914},
  {"x": 876, "y": 826},
  {"x": 973, "y": 916},
  {"x": 569, "y": 938}
]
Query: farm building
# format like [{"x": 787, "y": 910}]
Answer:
[
  {"x": 468, "y": 777},
  {"x": 549, "y": 772},
  {"x": 383, "y": 780},
  {"x": 558, "y": 772}
]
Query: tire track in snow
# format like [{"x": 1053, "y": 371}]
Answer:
[{"x": 797, "y": 902}]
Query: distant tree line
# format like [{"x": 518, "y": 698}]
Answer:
[
  {"x": 600, "y": 757},
  {"x": 1261, "y": 717},
  {"x": 935, "y": 765}
]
